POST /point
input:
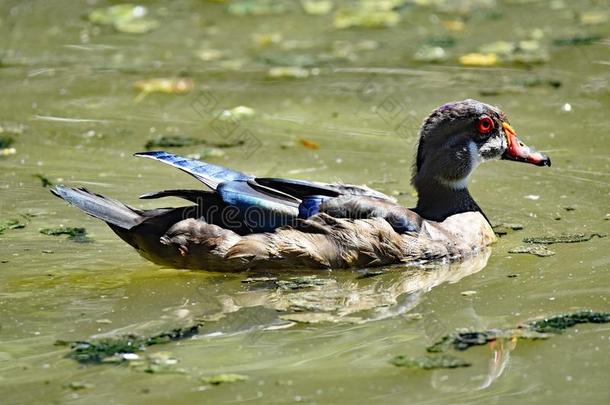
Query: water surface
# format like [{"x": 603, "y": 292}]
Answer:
[{"x": 70, "y": 85}]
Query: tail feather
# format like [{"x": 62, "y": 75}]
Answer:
[
  {"x": 106, "y": 209},
  {"x": 196, "y": 196}
]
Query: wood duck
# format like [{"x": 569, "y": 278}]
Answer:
[{"x": 245, "y": 222}]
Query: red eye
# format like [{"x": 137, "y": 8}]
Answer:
[{"x": 485, "y": 124}]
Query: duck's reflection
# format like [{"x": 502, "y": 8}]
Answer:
[
  {"x": 229, "y": 306},
  {"x": 348, "y": 296}
]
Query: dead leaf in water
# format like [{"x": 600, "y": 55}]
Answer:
[{"x": 309, "y": 144}]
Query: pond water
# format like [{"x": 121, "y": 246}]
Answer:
[{"x": 69, "y": 102}]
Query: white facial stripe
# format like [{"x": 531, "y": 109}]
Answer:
[{"x": 493, "y": 148}]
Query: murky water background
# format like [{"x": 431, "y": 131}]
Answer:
[{"x": 69, "y": 83}]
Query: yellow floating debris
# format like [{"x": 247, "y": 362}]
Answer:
[
  {"x": 162, "y": 85},
  {"x": 594, "y": 18},
  {"x": 479, "y": 59},
  {"x": 453, "y": 25},
  {"x": 266, "y": 39},
  {"x": 289, "y": 72}
]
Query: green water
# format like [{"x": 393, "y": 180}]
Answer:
[{"x": 70, "y": 85}]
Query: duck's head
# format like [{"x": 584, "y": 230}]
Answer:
[{"x": 456, "y": 138}]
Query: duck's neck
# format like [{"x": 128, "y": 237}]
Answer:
[{"x": 437, "y": 201}]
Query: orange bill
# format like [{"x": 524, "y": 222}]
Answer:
[{"x": 520, "y": 152}]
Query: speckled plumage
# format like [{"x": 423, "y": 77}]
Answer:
[
  {"x": 341, "y": 226},
  {"x": 319, "y": 242}
]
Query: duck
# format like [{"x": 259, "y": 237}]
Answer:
[{"x": 241, "y": 222}]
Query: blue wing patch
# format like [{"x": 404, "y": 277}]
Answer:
[
  {"x": 258, "y": 211},
  {"x": 209, "y": 174}
]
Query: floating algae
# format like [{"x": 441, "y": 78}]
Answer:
[
  {"x": 430, "y": 362},
  {"x": 317, "y": 7},
  {"x": 6, "y": 138},
  {"x": 537, "y": 250},
  {"x": 349, "y": 18},
  {"x": 6, "y": 141},
  {"x": 525, "y": 52},
  {"x": 430, "y": 54},
  {"x": 75, "y": 234},
  {"x": 257, "y": 7},
  {"x": 368, "y": 14},
  {"x": 100, "y": 350},
  {"x": 577, "y": 40},
  {"x": 462, "y": 340},
  {"x": 78, "y": 385},
  {"x": 558, "y": 323},
  {"x": 444, "y": 41},
  {"x": 44, "y": 180},
  {"x": 536, "y": 329},
  {"x": 173, "y": 142},
  {"x": 224, "y": 378},
  {"x": 565, "y": 238},
  {"x": 505, "y": 228},
  {"x": 127, "y": 18},
  {"x": 11, "y": 224},
  {"x": 176, "y": 141},
  {"x": 293, "y": 60}
]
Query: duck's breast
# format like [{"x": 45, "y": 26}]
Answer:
[{"x": 460, "y": 233}]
